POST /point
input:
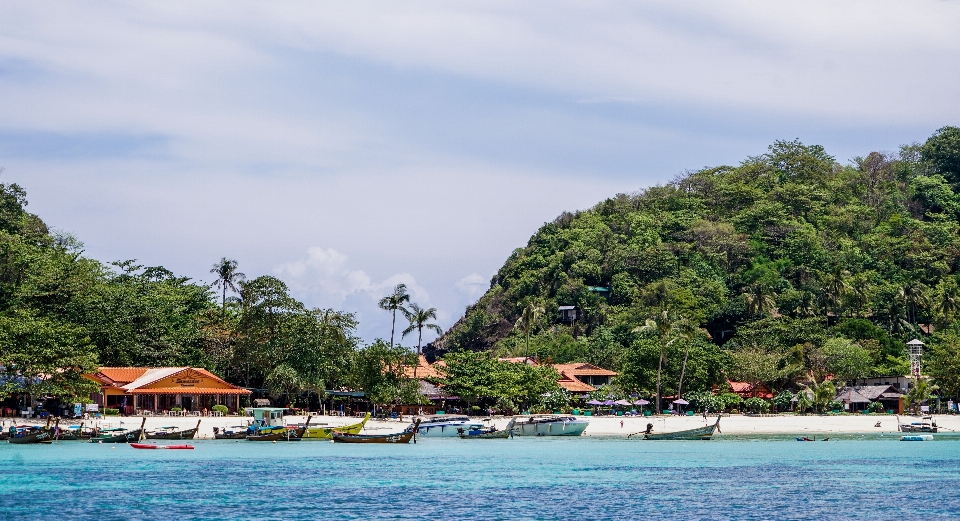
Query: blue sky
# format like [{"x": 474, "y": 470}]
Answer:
[{"x": 346, "y": 147}]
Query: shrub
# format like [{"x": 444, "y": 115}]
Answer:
[
  {"x": 111, "y": 412},
  {"x": 834, "y": 405},
  {"x": 782, "y": 400},
  {"x": 756, "y": 405},
  {"x": 176, "y": 409},
  {"x": 222, "y": 409},
  {"x": 875, "y": 407}
]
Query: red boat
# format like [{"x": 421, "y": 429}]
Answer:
[{"x": 151, "y": 446}]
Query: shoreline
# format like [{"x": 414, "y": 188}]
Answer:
[{"x": 599, "y": 426}]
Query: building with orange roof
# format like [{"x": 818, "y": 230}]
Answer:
[
  {"x": 422, "y": 370},
  {"x": 748, "y": 390},
  {"x": 577, "y": 377},
  {"x": 162, "y": 388}
]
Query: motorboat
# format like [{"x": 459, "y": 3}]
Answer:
[
  {"x": 446, "y": 426},
  {"x": 268, "y": 426},
  {"x": 323, "y": 432},
  {"x": 489, "y": 433},
  {"x": 236, "y": 432},
  {"x": 152, "y": 446},
  {"x": 410, "y": 433},
  {"x": 549, "y": 425},
  {"x": 700, "y": 433},
  {"x": 926, "y": 424},
  {"x": 173, "y": 433},
  {"x": 29, "y": 434},
  {"x": 119, "y": 435}
]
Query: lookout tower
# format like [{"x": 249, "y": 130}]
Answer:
[{"x": 915, "y": 348}]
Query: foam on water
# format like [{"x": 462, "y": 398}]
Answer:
[{"x": 851, "y": 477}]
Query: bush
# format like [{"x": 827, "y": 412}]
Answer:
[
  {"x": 111, "y": 412},
  {"x": 222, "y": 409},
  {"x": 834, "y": 405},
  {"x": 176, "y": 409},
  {"x": 875, "y": 407},
  {"x": 756, "y": 405},
  {"x": 782, "y": 400}
]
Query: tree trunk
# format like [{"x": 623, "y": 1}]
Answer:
[
  {"x": 659, "y": 372},
  {"x": 393, "y": 327},
  {"x": 683, "y": 369},
  {"x": 419, "y": 341}
]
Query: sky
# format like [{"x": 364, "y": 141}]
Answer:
[{"x": 345, "y": 147}]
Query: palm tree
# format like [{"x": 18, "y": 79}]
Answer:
[
  {"x": 947, "y": 299},
  {"x": 527, "y": 318},
  {"x": 227, "y": 278},
  {"x": 688, "y": 330},
  {"x": 914, "y": 296},
  {"x": 760, "y": 299},
  {"x": 836, "y": 287},
  {"x": 920, "y": 391},
  {"x": 662, "y": 326},
  {"x": 419, "y": 318},
  {"x": 394, "y": 302}
]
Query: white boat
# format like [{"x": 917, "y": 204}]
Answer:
[
  {"x": 446, "y": 426},
  {"x": 549, "y": 425}
]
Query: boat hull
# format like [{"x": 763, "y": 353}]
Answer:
[
  {"x": 169, "y": 447},
  {"x": 230, "y": 436},
  {"x": 326, "y": 433},
  {"x": 400, "y": 437},
  {"x": 550, "y": 429},
  {"x": 119, "y": 438},
  {"x": 702, "y": 433},
  {"x": 43, "y": 436},
  {"x": 449, "y": 430},
  {"x": 188, "y": 434}
]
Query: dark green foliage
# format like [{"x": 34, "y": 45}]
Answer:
[{"x": 768, "y": 256}]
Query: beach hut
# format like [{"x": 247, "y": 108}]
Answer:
[{"x": 158, "y": 389}]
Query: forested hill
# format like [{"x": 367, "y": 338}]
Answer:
[{"x": 774, "y": 256}]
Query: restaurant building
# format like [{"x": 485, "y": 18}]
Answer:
[{"x": 159, "y": 389}]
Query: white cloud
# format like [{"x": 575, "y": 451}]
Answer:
[{"x": 473, "y": 286}]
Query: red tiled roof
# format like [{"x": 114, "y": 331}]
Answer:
[
  {"x": 747, "y": 390},
  {"x": 191, "y": 390},
  {"x": 583, "y": 370},
  {"x": 572, "y": 384},
  {"x": 122, "y": 375},
  {"x": 424, "y": 369}
]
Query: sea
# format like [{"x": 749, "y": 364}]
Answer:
[{"x": 583, "y": 478}]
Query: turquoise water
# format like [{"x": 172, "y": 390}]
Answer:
[{"x": 531, "y": 478}]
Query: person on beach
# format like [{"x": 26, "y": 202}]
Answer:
[{"x": 621, "y": 424}]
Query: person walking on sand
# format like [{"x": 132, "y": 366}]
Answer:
[{"x": 621, "y": 424}]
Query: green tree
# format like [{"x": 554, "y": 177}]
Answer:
[
  {"x": 420, "y": 318},
  {"x": 942, "y": 150},
  {"x": 846, "y": 360},
  {"x": 662, "y": 326},
  {"x": 393, "y": 303},
  {"x": 531, "y": 313},
  {"x": 227, "y": 278}
]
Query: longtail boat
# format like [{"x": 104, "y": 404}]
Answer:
[
  {"x": 120, "y": 435},
  {"x": 74, "y": 433},
  {"x": 326, "y": 433},
  {"x": 30, "y": 434},
  {"x": 173, "y": 433},
  {"x": 279, "y": 433},
  {"x": 490, "y": 433},
  {"x": 238, "y": 432},
  {"x": 405, "y": 436},
  {"x": 700, "y": 433},
  {"x": 926, "y": 425}
]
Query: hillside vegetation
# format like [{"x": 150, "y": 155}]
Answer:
[{"x": 785, "y": 267}]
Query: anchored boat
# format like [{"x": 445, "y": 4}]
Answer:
[
  {"x": 279, "y": 432},
  {"x": 446, "y": 426},
  {"x": 325, "y": 433},
  {"x": 926, "y": 424},
  {"x": 170, "y": 447},
  {"x": 549, "y": 425},
  {"x": 405, "y": 436},
  {"x": 489, "y": 433},
  {"x": 29, "y": 434},
  {"x": 119, "y": 435},
  {"x": 701, "y": 433},
  {"x": 173, "y": 433}
]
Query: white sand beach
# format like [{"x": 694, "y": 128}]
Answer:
[{"x": 599, "y": 426}]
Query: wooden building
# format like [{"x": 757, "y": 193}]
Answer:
[{"x": 159, "y": 389}]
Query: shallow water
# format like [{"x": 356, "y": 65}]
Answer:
[{"x": 775, "y": 477}]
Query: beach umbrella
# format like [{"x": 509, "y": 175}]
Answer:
[
  {"x": 609, "y": 402},
  {"x": 641, "y": 402},
  {"x": 622, "y": 402},
  {"x": 681, "y": 401},
  {"x": 595, "y": 402}
]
